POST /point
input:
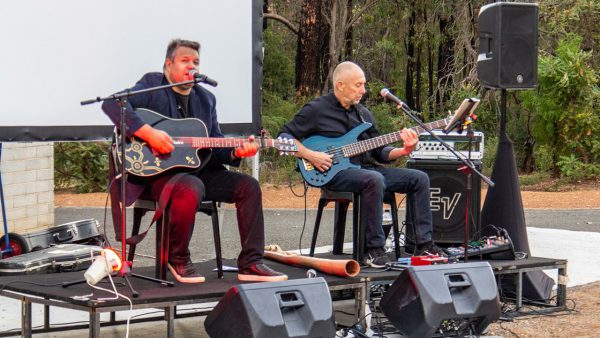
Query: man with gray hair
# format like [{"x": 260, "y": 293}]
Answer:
[{"x": 334, "y": 115}]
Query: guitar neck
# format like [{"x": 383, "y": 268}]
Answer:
[
  {"x": 217, "y": 142},
  {"x": 363, "y": 146}
]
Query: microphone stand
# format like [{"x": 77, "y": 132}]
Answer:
[
  {"x": 468, "y": 168},
  {"x": 468, "y": 176},
  {"x": 121, "y": 98}
]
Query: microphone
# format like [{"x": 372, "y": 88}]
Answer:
[
  {"x": 203, "y": 78},
  {"x": 391, "y": 97}
]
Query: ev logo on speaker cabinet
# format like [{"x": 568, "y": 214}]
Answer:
[{"x": 444, "y": 203}]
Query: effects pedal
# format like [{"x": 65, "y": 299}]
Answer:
[{"x": 490, "y": 247}]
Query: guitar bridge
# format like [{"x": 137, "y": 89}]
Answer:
[{"x": 307, "y": 165}]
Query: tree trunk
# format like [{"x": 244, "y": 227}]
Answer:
[
  {"x": 337, "y": 19},
  {"x": 529, "y": 159},
  {"x": 445, "y": 62},
  {"x": 418, "y": 105},
  {"x": 410, "y": 57},
  {"x": 340, "y": 16},
  {"x": 430, "y": 71},
  {"x": 349, "y": 36},
  {"x": 309, "y": 54}
]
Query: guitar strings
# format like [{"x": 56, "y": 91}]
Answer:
[{"x": 339, "y": 151}]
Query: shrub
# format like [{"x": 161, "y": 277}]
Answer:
[{"x": 82, "y": 166}]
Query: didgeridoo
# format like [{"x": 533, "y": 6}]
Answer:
[{"x": 338, "y": 267}]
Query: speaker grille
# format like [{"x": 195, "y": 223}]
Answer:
[
  {"x": 508, "y": 45},
  {"x": 448, "y": 201}
]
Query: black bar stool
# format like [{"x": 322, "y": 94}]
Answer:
[
  {"x": 140, "y": 208},
  {"x": 342, "y": 200}
]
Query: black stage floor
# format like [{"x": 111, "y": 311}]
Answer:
[
  {"x": 213, "y": 288},
  {"x": 29, "y": 289},
  {"x": 149, "y": 292}
]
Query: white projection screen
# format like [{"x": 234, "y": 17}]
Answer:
[{"x": 57, "y": 53}]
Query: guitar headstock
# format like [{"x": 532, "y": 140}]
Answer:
[{"x": 285, "y": 145}]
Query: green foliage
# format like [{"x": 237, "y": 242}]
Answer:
[
  {"x": 489, "y": 154},
  {"x": 278, "y": 69},
  {"x": 82, "y": 166},
  {"x": 572, "y": 169},
  {"x": 535, "y": 178},
  {"x": 543, "y": 158},
  {"x": 276, "y": 112},
  {"x": 561, "y": 18},
  {"x": 565, "y": 103}
]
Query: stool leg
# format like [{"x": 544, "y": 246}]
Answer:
[
  {"x": 410, "y": 241},
  {"x": 339, "y": 227},
  {"x": 358, "y": 248},
  {"x": 313, "y": 243},
  {"x": 394, "y": 210},
  {"x": 162, "y": 246},
  {"x": 217, "y": 236}
]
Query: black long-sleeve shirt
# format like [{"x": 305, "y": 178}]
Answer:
[{"x": 325, "y": 116}]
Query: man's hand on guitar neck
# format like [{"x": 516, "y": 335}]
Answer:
[
  {"x": 159, "y": 141},
  {"x": 249, "y": 149},
  {"x": 410, "y": 138}
]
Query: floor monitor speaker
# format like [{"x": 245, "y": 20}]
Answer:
[
  {"x": 456, "y": 299},
  {"x": 294, "y": 308}
]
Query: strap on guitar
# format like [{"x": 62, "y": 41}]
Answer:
[{"x": 163, "y": 203}]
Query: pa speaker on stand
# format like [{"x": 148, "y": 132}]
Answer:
[
  {"x": 447, "y": 201},
  {"x": 508, "y": 48}
]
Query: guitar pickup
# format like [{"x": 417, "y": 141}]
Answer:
[{"x": 307, "y": 165}]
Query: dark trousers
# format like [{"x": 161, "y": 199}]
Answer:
[
  {"x": 372, "y": 184},
  {"x": 215, "y": 184}
]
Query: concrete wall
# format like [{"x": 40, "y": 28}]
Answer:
[{"x": 28, "y": 181}]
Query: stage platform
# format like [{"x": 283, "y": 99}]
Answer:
[{"x": 153, "y": 295}]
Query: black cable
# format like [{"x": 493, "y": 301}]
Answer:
[
  {"x": 106, "y": 240},
  {"x": 305, "y": 217},
  {"x": 539, "y": 314},
  {"x": 304, "y": 194},
  {"x": 345, "y": 312}
]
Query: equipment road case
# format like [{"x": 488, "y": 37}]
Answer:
[
  {"x": 58, "y": 258},
  {"x": 81, "y": 232}
]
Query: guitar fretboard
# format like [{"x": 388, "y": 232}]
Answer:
[
  {"x": 216, "y": 142},
  {"x": 360, "y": 147}
]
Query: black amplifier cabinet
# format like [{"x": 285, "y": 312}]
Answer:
[{"x": 447, "y": 200}]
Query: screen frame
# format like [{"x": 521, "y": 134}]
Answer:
[{"x": 36, "y": 133}]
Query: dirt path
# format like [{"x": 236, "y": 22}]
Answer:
[{"x": 282, "y": 197}]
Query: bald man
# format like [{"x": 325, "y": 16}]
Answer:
[{"x": 334, "y": 115}]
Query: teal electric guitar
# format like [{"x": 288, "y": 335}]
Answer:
[
  {"x": 192, "y": 146},
  {"x": 344, "y": 147}
]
